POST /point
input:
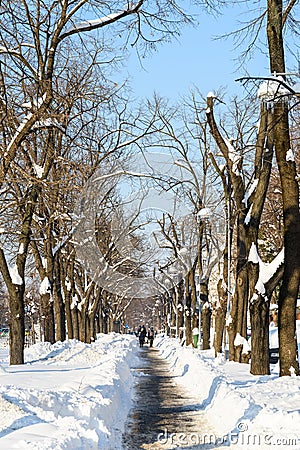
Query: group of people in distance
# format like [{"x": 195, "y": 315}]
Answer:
[{"x": 142, "y": 335}]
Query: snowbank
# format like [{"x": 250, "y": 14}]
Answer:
[
  {"x": 68, "y": 395},
  {"x": 255, "y": 412}
]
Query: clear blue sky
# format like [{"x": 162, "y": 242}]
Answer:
[{"x": 195, "y": 59}]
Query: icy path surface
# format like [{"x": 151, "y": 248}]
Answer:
[{"x": 164, "y": 415}]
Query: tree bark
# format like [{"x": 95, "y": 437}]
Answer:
[
  {"x": 205, "y": 316},
  {"x": 188, "y": 312},
  {"x": 259, "y": 311},
  {"x": 180, "y": 309},
  {"x": 59, "y": 306},
  {"x": 260, "y": 361},
  {"x": 47, "y": 314},
  {"x": 82, "y": 322},
  {"x": 206, "y": 322},
  {"x": 220, "y": 318},
  {"x": 290, "y": 195},
  {"x": 16, "y": 325}
]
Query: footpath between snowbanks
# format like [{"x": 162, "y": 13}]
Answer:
[
  {"x": 248, "y": 411},
  {"x": 72, "y": 395}
]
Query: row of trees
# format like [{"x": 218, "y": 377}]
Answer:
[
  {"x": 60, "y": 116},
  {"x": 62, "y": 119}
]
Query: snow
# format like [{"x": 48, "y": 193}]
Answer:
[
  {"x": 101, "y": 20},
  {"x": 39, "y": 170},
  {"x": 93, "y": 23},
  {"x": 273, "y": 337},
  {"x": 68, "y": 395},
  {"x": 290, "y": 156},
  {"x": 18, "y": 131},
  {"x": 240, "y": 340},
  {"x": 253, "y": 254},
  {"x": 211, "y": 94},
  {"x": 45, "y": 287},
  {"x": 47, "y": 123},
  {"x": 15, "y": 276},
  {"x": 73, "y": 395},
  {"x": 229, "y": 320},
  {"x": 273, "y": 90},
  {"x": 233, "y": 156},
  {"x": 35, "y": 103},
  {"x": 250, "y": 192},
  {"x": 204, "y": 213},
  {"x": 248, "y": 216},
  {"x": 266, "y": 270},
  {"x": 68, "y": 285}
]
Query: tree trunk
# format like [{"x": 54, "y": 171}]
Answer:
[
  {"x": 91, "y": 336},
  {"x": 290, "y": 195},
  {"x": 59, "y": 306},
  {"x": 97, "y": 324},
  {"x": 263, "y": 166},
  {"x": 206, "y": 316},
  {"x": 180, "y": 309},
  {"x": 188, "y": 312},
  {"x": 68, "y": 299},
  {"x": 259, "y": 310},
  {"x": 67, "y": 283},
  {"x": 291, "y": 276},
  {"x": 92, "y": 317},
  {"x": 75, "y": 321},
  {"x": 17, "y": 327},
  {"x": 173, "y": 313},
  {"x": 47, "y": 314},
  {"x": 242, "y": 288},
  {"x": 82, "y": 322},
  {"x": 195, "y": 316},
  {"x": 220, "y": 318}
]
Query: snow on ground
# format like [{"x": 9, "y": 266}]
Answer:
[
  {"x": 68, "y": 395},
  {"x": 76, "y": 396},
  {"x": 249, "y": 412}
]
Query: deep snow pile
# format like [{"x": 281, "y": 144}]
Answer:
[
  {"x": 249, "y": 412},
  {"x": 68, "y": 395}
]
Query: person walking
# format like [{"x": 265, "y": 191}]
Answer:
[
  {"x": 151, "y": 336},
  {"x": 142, "y": 335}
]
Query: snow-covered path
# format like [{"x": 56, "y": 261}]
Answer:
[{"x": 164, "y": 415}]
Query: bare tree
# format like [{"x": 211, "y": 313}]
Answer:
[
  {"x": 35, "y": 41},
  {"x": 275, "y": 92},
  {"x": 248, "y": 205},
  {"x": 277, "y": 17}
]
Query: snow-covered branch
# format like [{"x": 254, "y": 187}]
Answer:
[{"x": 89, "y": 25}]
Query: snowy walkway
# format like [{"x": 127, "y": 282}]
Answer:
[
  {"x": 164, "y": 415},
  {"x": 75, "y": 396}
]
